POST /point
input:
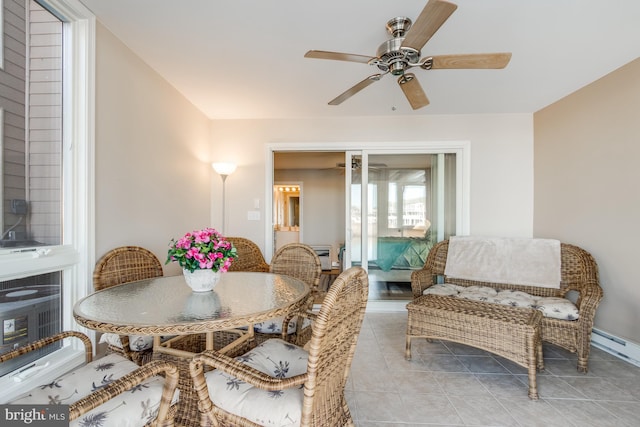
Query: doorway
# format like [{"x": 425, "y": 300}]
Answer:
[
  {"x": 417, "y": 194},
  {"x": 401, "y": 215},
  {"x": 287, "y": 213}
]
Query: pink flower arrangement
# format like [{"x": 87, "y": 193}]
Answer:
[{"x": 201, "y": 250}]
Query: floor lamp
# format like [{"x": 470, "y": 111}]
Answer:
[{"x": 224, "y": 170}]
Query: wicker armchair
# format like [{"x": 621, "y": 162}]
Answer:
[
  {"x": 122, "y": 265},
  {"x": 154, "y": 385},
  {"x": 301, "y": 262},
  {"x": 249, "y": 256},
  {"x": 310, "y": 392}
]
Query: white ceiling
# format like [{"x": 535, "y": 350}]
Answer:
[{"x": 244, "y": 58}]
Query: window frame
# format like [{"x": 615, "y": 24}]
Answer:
[{"x": 76, "y": 256}]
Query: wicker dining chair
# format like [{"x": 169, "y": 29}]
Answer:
[
  {"x": 122, "y": 265},
  {"x": 112, "y": 389},
  {"x": 301, "y": 262},
  {"x": 308, "y": 386},
  {"x": 249, "y": 256}
]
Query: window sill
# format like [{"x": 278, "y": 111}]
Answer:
[
  {"x": 17, "y": 263},
  {"x": 60, "y": 362}
]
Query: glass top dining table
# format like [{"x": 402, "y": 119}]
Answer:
[{"x": 167, "y": 305}]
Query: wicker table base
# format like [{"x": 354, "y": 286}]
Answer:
[
  {"x": 188, "y": 414},
  {"x": 511, "y": 332}
]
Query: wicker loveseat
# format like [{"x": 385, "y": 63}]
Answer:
[{"x": 578, "y": 283}]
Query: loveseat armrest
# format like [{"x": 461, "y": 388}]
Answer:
[
  {"x": 589, "y": 298},
  {"x": 421, "y": 280}
]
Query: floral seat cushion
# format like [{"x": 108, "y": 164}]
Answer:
[
  {"x": 133, "y": 408},
  {"x": 136, "y": 342},
  {"x": 552, "y": 307},
  {"x": 274, "y": 357},
  {"x": 274, "y": 326}
]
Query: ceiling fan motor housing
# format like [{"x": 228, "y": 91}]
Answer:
[{"x": 391, "y": 55}]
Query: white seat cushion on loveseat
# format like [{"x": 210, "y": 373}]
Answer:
[{"x": 552, "y": 307}]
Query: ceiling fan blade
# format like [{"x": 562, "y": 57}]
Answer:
[
  {"x": 337, "y": 56},
  {"x": 479, "y": 60},
  {"x": 434, "y": 14},
  {"x": 355, "y": 89},
  {"x": 413, "y": 91}
]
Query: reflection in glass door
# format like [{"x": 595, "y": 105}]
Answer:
[{"x": 410, "y": 204}]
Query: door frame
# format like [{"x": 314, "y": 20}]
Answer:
[{"x": 462, "y": 149}]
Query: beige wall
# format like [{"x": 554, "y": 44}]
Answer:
[
  {"x": 153, "y": 155},
  {"x": 154, "y": 182},
  {"x": 586, "y": 186},
  {"x": 501, "y": 146}
]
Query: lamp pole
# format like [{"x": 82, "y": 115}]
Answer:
[
  {"x": 224, "y": 170},
  {"x": 224, "y": 201}
]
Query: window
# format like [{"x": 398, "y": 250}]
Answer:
[{"x": 46, "y": 145}]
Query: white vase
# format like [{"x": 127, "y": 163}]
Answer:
[{"x": 201, "y": 280}]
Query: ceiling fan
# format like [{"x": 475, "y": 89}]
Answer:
[
  {"x": 356, "y": 163},
  {"x": 402, "y": 52}
]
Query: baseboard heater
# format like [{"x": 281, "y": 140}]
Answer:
[{"x": 617, "y": 346}]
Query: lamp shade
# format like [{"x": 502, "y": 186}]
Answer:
[{"x": 224, "y": 168}]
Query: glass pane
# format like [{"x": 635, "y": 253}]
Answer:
[
  {"x": 30, "y": 183},
  {"x": 356, "y": 216},
  {"x": 29, "y": 310},
  {"x": 30, "y": 173},
  {"x": 405, "y": 201}
]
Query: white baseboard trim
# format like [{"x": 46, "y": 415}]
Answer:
[
  {"x": 387, "y": 306},
  {"x": 619, "y": 347}
]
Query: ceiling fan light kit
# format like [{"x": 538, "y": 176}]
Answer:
[{"x": 403, "y": 52}]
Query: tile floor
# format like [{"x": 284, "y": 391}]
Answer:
[{"x": 447, "y": 384}]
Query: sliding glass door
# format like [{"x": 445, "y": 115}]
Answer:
[{"x": 410, "y": 203}]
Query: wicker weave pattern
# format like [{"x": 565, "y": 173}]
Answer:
[
  {"x": 511, "y": 332},
  {"x": 249, "y": 256},
  {"x": 41, "y": 343},
  {"x": 187, "y": 414},
  {"x": 166, "y": 411},
  {"x": 300, "y": 261},
  {"x": 122, "y": 265},
  {"x": 331, "y": 350},
  {"x": 579, "y": 272},
  {"x": 125, "y": 264}
]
